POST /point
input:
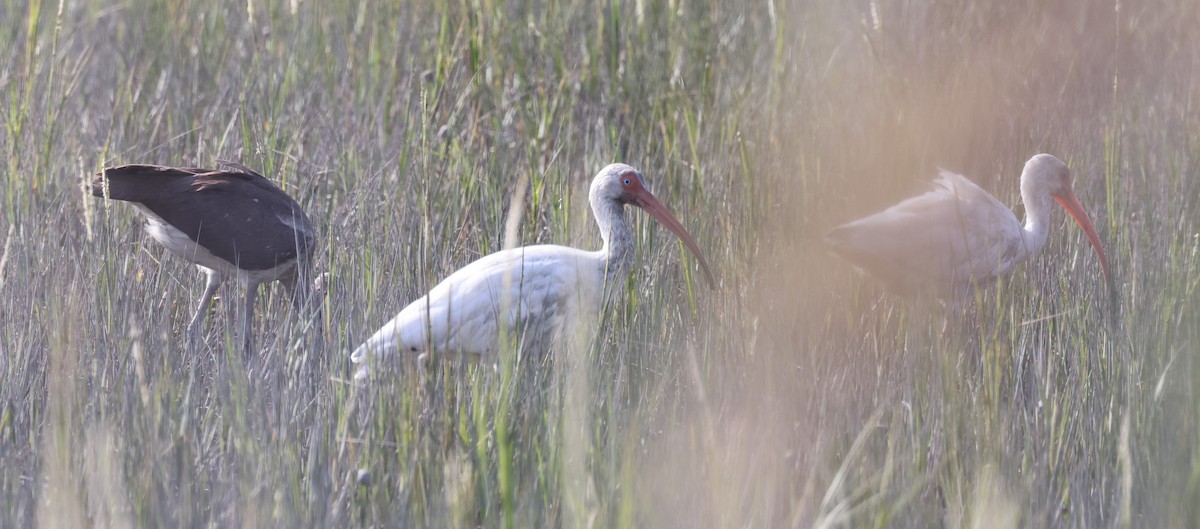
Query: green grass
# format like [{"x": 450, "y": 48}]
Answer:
[{"x": 794, "y": 395}]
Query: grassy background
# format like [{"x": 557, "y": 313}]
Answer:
[{"x": 795, "y": 395}]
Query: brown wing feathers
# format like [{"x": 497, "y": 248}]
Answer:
[{"x": 238, "y": 216}]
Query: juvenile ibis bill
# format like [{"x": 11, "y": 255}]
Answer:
[
  {"x": 231, "y": 223},
  {"x": 534, "y": 292},
  {"x": 958, "y": 234}
]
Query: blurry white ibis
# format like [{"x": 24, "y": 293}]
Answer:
[
  {"x": 534, "y": 292},
  {"x": 958, "y": 234},
  {"x": 231, "y": 223}
]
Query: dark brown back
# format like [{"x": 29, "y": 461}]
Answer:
[{"x": 237, "y": 215}]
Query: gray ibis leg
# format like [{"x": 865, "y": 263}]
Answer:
[
  {"x": 196, "y": 327},
  {"x": 248, "y": 317}
]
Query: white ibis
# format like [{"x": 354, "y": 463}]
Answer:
[
  {"x": 534, "y": 292},
  {"x": 231, "y": 223},
  {"x": 958, "y": 234}
]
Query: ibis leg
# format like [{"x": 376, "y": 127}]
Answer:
[
  {"x": 196, "y": 327},
  {"x": 248, "y": 317}
]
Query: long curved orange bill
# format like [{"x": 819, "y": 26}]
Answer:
[
  {"x": 656, "y": 209},
  {"x": 1070, "y": 202}
]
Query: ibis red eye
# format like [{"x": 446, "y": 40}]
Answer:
[{"x": 628, "y": 182}]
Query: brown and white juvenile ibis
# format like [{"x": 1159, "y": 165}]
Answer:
[
  {"x": 231, "y": 223},
  {"x": 958, "y": 234},
  {"x": 535, "y": 292}
]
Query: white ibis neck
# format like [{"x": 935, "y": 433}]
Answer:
[
  {"x": 619, "y": 243},
  {"x": 1037, "y": 219}
]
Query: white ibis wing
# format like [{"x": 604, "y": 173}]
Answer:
[
  {"x": 956, "y": 232},
  {"x": 531, "y": 291}
]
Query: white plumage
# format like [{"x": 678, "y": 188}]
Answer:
[
  {"x": 958, "y": 234},
  {"x": 535, "y": 292},
  {"x": 463, "y": 312}
]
